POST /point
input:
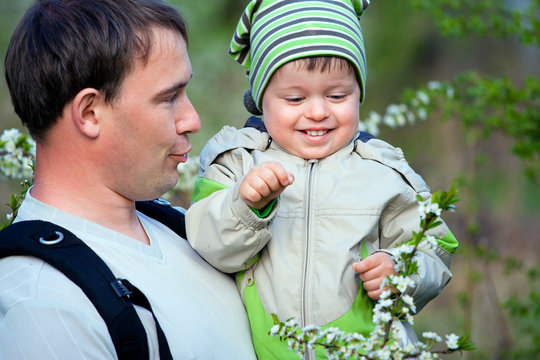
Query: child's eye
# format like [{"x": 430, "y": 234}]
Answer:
[
  {"x": 294, "y": 99},
  {"x": 337, "y": 96}
]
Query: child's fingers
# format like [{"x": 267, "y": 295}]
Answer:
[
  {"x": 264, "y": 180},
  {"x": 365, "y": 265},
  {"x": 251, "y": 193},
  {"x": 373, "y": 288},
  {"x": 263, "y": 183},
  {"x": 374, "y": 273},
  {"x": 284, "y": 177},
  {"x": 372, "y": 285},
  {"x": 375, "y": 294},
  {"x": 376, "y": 260}
]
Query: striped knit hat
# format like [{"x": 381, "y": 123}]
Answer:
[{"x": 271, "y": 33}]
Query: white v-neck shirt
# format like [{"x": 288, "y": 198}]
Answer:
[{"x": 43, "y": 315}]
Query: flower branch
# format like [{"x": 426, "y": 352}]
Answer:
[{"x": 386, "y": 339}]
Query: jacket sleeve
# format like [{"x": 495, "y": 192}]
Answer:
[
  {"x": 220, "y": 226},
  {"x": 397, "y": 224},
  {"x": 401, "y": 217}
]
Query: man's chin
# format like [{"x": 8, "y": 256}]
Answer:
[{"x": 157, "y": 190}]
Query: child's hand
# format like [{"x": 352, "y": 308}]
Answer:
[
  {"x": 373, "y": 270},
  {"x": 263, "y": 183}
]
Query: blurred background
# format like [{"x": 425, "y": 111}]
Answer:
[{"x": 495, "y": 292}]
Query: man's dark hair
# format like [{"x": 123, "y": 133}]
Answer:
[{"x": 63, "y": 46}]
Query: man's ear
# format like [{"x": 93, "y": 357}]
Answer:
[{"x": 84, "y": 114}]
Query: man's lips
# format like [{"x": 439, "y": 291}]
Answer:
[
  {"x": 179, "y": 157},
  {"x": 180, "y": 154}
]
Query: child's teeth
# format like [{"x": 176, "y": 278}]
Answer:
[{"x": 316, "y": 133}]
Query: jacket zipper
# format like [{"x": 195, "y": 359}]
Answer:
[{"x": 304, "y": 314}]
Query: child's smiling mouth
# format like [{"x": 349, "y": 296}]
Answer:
[{"x": 316, "y": 132}]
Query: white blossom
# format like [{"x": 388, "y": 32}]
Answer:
[
  {"x": 431, "y": 242},
  {"x": 430, "y": 335},
  {"x": 386, "y": 302},
  {"x": 292, "y": 323},
  {"x": 381, "y": 316},
  {"x": 435, "y": 209},
  {"x": 410, "y": 117},
  {"x": 10, "y": 135},
  {"x": 389, "y": 121},
  {"x": 17, "y": 154},
  {"x": 422, "y": 97},
  {"x": 407, "y": 299},
  {"x": 450, "y": 92},
  {"x": 404, "y": 249},
  {"x": 309, "y": 328},
  {"x": 402, "y": 283},
  {"x": 427, "y": 207},
  {"x": 422, "y": 113},
  {"x": 434, "y": 85},
  {"x": 385, "y": 294},
  {"x": 422, "y": 209},
  {"x": 274, "y": 330},
  {"x": 401, "y": 120},
  {"x": 371, "y": 124},
  {"x": 383, "y": 354},
  {"x": 409, "y": 348},
  {"x": 188, "y": 172},
  {"x": 452, "y": 341},
  {"x": 409, "y": 318}
]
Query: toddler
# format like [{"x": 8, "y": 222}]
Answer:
[{"x": 300, "y": 204}]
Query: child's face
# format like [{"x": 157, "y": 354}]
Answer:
[{"x": 311, "y": 114}]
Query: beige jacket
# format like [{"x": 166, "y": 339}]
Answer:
[{"x": 365, "y": 193}]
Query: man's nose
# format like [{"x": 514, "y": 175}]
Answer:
[{"x": 188, "y": 120}]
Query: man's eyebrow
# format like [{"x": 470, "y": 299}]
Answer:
[{"x": 172, "y": 89}]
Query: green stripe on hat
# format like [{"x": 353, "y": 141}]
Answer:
[{"x": 271, "y": 33}]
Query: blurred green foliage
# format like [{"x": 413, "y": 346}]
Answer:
[
  {"x": 486, "y": 18},
  {"x": 525, "y": 310},
  {"x": 487, "y": 50}
]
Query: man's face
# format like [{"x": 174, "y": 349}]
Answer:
[
  {"x": 145, "y": 132},
  {"x": 311, "y": 114}
]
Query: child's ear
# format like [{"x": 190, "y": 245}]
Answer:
[{"x": 84, "y": 114}]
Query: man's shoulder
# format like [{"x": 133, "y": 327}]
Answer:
[
  {"x": 36, "y": 299},
  {"x": 32, "y": 280}
]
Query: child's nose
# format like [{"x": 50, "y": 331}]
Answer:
[{"x": 317, "y": 110}]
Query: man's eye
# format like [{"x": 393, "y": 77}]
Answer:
[{"x": 171, "y": 98}]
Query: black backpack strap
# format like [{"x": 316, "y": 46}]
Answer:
[
  {"x": 162, "y": 211},
  {"x": 113, "y": 298},
  {"x": 137, "y": 297}
]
